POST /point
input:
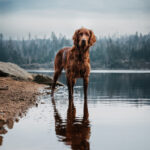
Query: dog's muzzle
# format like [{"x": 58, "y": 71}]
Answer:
[{"x": 83, "y": 43}]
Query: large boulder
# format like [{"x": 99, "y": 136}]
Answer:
[
  {"x": 45, "y": 79},
  {"x": 13, "y": 70}
]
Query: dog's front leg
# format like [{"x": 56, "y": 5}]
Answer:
[
  {"x": 85, "y": 84},
  {"x": 69, "y": 84},
  {"x": 73, "y": 83}
]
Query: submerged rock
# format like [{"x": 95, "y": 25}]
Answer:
[{"x": 44, "y": 79}]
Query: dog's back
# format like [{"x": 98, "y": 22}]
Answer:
[{"x": 61, "y": 59}]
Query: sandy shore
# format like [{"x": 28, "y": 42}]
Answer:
[
  {"x": 16, "y": 97},
  {"x": 19, "y": 96}
]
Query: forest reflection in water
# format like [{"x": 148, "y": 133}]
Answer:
[
  {"x": 117, "y": 112},
  {"x": 118, "y": 86}
]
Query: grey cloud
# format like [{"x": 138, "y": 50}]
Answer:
[
  {"x": 101, "y": 6},
  {"x": 19, "y": 17}
]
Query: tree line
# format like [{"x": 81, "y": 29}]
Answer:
[{"x": 123, "y": 52}]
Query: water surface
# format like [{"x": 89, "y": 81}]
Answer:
[{"x": 116, "y": 116}]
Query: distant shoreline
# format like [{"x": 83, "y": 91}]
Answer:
[{"x": 94, "y": 71}]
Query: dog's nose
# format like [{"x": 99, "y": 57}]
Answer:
[{"x": 83, "y": 42}]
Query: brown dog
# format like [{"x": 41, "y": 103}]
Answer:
[{"x": 75, "y": 60}]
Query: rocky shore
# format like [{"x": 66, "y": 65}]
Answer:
[
  {"x": 17, "y": 97},
  {"x": 18, "y": 92}
]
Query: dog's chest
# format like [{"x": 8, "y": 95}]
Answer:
[
  {"x": 79, "y": 58},
  {"x": 79, "y": 65}
]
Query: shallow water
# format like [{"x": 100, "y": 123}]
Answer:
[{"x": 116, "y": 116}]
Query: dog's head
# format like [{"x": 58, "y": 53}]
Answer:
[{"x": 84, "y": 38}]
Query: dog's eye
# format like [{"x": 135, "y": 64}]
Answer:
[
  {"x": 86, "y": 34},
  {"x": 81, "y": 34}
]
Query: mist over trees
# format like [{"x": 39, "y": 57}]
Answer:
[{"x": 124, "y": 52}]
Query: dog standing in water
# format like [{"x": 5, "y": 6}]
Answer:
[{"x": 75, "y": 61}]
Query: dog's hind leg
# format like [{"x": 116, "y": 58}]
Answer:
[
  {"x": 55, "y": 78},
  {"x": 58, "y": 69}
]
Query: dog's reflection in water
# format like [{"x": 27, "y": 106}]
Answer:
[{"x": 73, "y": 131}]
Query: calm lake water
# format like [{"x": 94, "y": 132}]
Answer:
[{"x": 116, "y": 117}]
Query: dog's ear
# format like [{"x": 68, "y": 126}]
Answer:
[
  {"x": 76, "y": 38},
  {"x": 92, "y": 38}
]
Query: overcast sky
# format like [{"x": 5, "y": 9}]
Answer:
[{"x": 104, "y": 17}]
